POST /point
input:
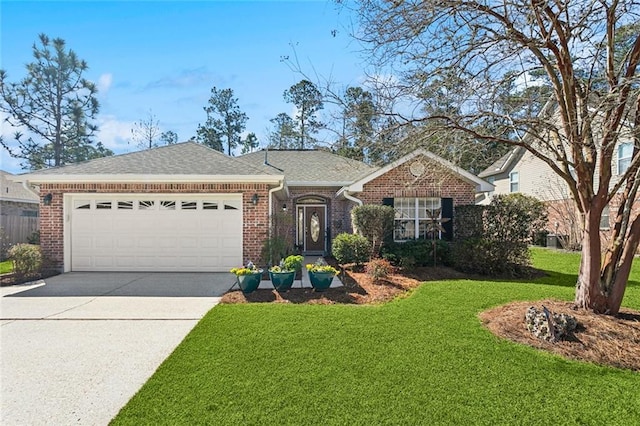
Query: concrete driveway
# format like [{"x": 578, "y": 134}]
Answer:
[{"x": 76, "y": 347}]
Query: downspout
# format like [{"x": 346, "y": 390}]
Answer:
[
  {"x": 25, "y": 185},
  {"x": 352, "y": 198},
  {"x": 271, "y": 192}
]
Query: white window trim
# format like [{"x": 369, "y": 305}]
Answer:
[
  {"x": 416, "y": 218},
  {"x": 515, "y": 181},
  {"x": 605, "y": 213},
  {"x": 620, "y": 147}
]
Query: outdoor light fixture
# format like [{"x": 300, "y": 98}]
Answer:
[
  {"x": 284, "y": 208},
  {"x": 254, "y": 199},
  {"x": 47, "y": 199}
]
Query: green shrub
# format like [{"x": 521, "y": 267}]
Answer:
[
  {"x": 413, "y": 253},
  {"x": 351, "y": 248},
  {"x": 379, "y": 268},
  {"x": 493, "y": 240},
  {"x": 375, "y": 223},
  {"x": 293, "y": 262},
  {"x": 34, "y": 238},
  {"x": 27, "y": 259}
]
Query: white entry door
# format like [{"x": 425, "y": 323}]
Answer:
[{"x": 155, "y": 232}]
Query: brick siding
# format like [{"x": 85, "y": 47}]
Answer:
[{"x": 437, "y": 181}]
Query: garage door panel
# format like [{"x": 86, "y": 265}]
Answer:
[{"x": 155, "y": 233}]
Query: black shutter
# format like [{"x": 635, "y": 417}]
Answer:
[
  {"x": 447, "y": 212},
  {"x": 387, "y": 202}
]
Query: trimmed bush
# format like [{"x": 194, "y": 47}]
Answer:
[
  {"x": 350, "y": 248},
  {"x": 414, "y": 253},
  {"x": 375, "y": 223},
  {"x": 27, "y": 259},
  {"x": 379, "y": 268},
  {"x": 493, "y": 240}
]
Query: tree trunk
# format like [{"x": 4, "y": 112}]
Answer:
[
  {"x": 602, "y": 282},
  {"x": 589, "y": 292},
  {"x": 617, "y": 283}
]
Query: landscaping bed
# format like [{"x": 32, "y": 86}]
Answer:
[{"x": 358, "y": 288}]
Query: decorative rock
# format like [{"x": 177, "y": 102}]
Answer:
[{"x": 549, "y": 326}]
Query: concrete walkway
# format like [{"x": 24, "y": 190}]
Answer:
[{"x": 76, "y": 347}]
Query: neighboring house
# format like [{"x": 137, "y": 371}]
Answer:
[
  {"x": 186, "y": 207},
  {"x": 520, "y": 171},
  {"x": 18, "y": 211}
]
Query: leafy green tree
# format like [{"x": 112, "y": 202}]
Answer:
[
  {"x": 591, "y": 65},
  {"x": 54, "y": 103},
  {"x": 359, "y": 115},
  {"x": 225, "y": 122},
  {"x": 249, "y": 143},
  {"x": 284, "y": 136},
  {"x": 308, "y": 101},
  {"x": 169, "y": 137}
]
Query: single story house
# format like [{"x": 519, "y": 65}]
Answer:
[
  {"x": 186, "y": 207},
  {"x": 18, "y": 211}
]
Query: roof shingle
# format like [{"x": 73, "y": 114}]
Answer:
[
  {"x": 187, "y": 158},
  {"x": 311, "y": 166}
]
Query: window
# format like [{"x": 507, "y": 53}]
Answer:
[
  {"x": 82, "y": 205},
  {"x": 209, "y": 205},
  {"x": 604, "y": 219},
  {"x": 413, "y": 217},
  {"x": 625, "y": 152},
  {"x": 167, "y": 205},
  {"x": 146, "y": 205},
  {"x": 189, "y": 205},
  {"x": 125, "y": 205},
  {"x": 514, "y": 182},
  {"x": 103, "y": 205}
]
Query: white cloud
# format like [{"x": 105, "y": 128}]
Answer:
[
  {"x": 104, "y": 83},
  {"x": 114, "y": 134}
]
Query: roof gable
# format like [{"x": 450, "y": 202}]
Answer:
[
  {"x": 14, "y": 191},
  {"x": 503, "y": 164},
  {"x": 480, "y": 184},
  {"x": 310, "y": 167}
]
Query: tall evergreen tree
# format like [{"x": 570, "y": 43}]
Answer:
[
  {"x": 54, "y": 103},
  {"x": 308, "y": 101},
  {"x": 225, "y": 122},
  {"x": 284, "y": 135}
]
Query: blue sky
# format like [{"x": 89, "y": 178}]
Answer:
[{"x": 165, "y": 56}]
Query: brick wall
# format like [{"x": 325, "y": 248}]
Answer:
[
  {"x": 565, "y": 220},
  {"x": 255, "y": 218},
  {"x": 437, "y": 181}
]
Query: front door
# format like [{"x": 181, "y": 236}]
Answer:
[{"x": 312, "y": 224}]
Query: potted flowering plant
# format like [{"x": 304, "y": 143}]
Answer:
[
  {"x": 282, "y": 275},
  {"x": 321, "y": 274},
  {"x": 248, "y": 277}
]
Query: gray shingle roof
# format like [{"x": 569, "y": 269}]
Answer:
[
  {"x": 501, "y": 164},
  {"x": 14, "y": 191},
  {"x": 312, "y": 166},
  {"x": 187, "y": 158}
]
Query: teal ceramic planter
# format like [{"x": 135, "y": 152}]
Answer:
[
  {"x": 249, "y": 283},
  {"x": 282, "y": 281},
  {"x": 321, "y": 280}
]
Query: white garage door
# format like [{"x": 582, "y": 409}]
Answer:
[{"x": 189, "y": 232}]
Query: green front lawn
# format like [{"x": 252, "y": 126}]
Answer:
[
  {"x": 6, "y": 267},
  {"x": 424, "y": 359}
]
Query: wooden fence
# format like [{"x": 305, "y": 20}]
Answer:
[{"x": 17, "y": 229}]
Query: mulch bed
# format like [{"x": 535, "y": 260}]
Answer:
[
  {"x": 601, "y": 339},
  {"x": 358, "y": 288}
]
